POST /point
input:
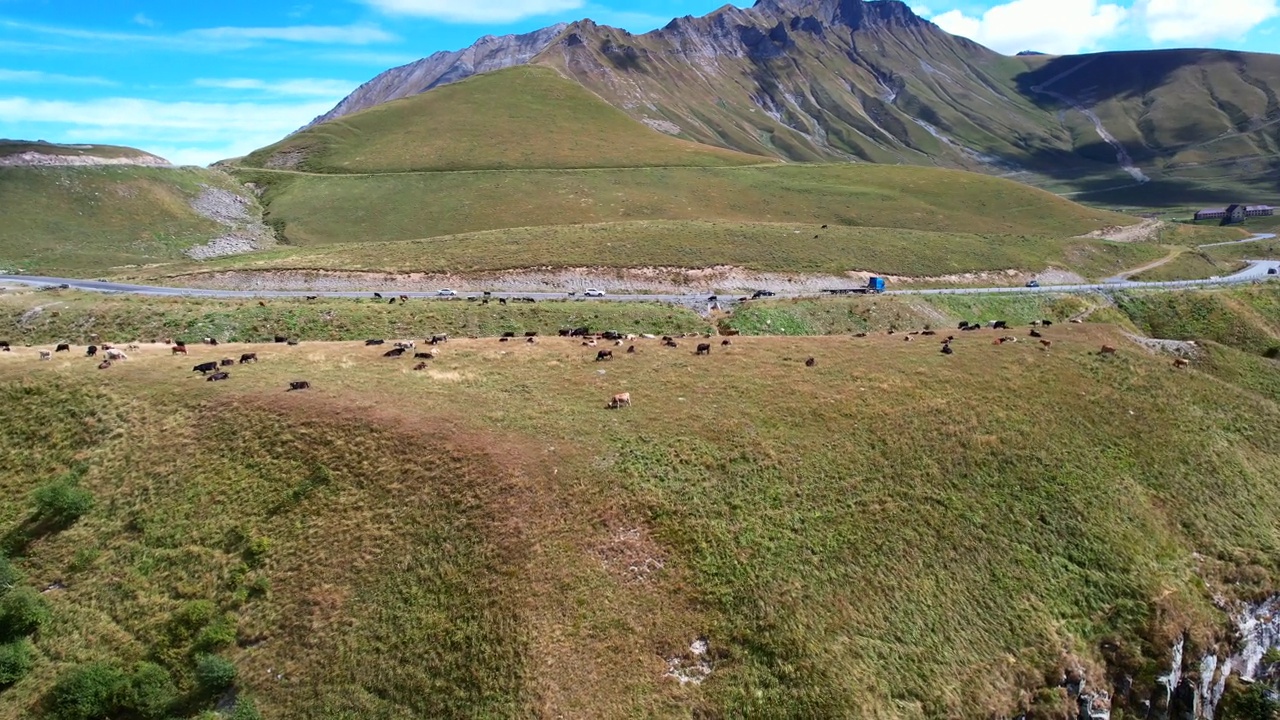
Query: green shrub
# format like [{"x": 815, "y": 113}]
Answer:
[
  {"x": 88, "y": 692},
  {"x": 214, "y": 673},
  {"x": 22, "y": 612},
  {"x": 217, "y": 635},
  {"x": 9, "y": 575},
  {"x": 245, "y": 710},
  {"x": 191, "y": 618},
  {"x": 151, "y": 691},
  {"x": 256, "y": 554},
  {"x": 62, "y": 501},
  {"x": 15, "y": 661}
]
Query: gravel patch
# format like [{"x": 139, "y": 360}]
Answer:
[
  {"x": 35, "y": 159},
  {"x": 239, "y": 214},
  {"x": 1187, "y": 349},
  {"x": 223, "y": 246},
  {"x": 222, "y": 206}
]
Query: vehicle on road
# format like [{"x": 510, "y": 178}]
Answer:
[
  {"x": 762, "y": 294},
  {"x": 593, "y": 292},
  {"x": 874, "y": 286},
  {"x": 1273, "y": 271},
  {"x": 446, "y": 292},
  {"x": 1033, "y": 283}
]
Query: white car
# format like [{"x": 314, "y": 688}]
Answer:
[
  {"x": 593, "y": 292},
  {"x": 446, "y": 292}
]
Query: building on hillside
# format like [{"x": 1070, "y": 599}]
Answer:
[{"x": 1235, "y": 213}]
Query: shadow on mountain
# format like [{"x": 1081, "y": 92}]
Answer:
[{"x": 1097, "y": 77}]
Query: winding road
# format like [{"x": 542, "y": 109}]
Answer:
[
  {"x": 1124, "y": 276},
  {"x": 1258, "y": 270}
]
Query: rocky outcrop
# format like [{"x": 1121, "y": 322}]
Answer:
[
  {"x": 241, "y": 216},
  {"x": 487, "y": 54},
  {"x": 38, "y": 159}
]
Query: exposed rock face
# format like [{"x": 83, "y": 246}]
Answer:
[
  {"x": 240, "y": 215},
  {"x": 488, "y": 53},
  {"x": 37, "y": 159}
]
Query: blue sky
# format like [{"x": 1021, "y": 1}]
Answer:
[{"x": 196, "y": 82}]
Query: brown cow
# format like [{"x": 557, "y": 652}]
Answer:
[
  {"x": 604, "y": 355},
  {"x": 420, "y": 366},
  {"x": 726, "y": 343},
  {"x": 1107, "y": 350},
  {"x": 703, "y": 349},
  {"x": 620, "y": 400},
  {"x": 1046, "y": 344},
  {"x": 631, "y": 349},
  {"x": 179, "y": 349},
  {"x": 227, "y": 362},
  {"x": 248, "y": 358},
  {"x": 1181, "y": 363},
  {"x": 104, "y": 364},
  {"x": 810, "y": 362}
]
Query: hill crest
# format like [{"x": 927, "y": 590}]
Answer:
[{"x": 38, "y": 153}]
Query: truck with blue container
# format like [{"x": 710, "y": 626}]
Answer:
[{"x": 874, "y": 286}]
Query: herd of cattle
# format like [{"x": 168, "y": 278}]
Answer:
[{"x": 217, "y": 370}]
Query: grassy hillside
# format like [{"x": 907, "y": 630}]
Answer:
[
  {"x": 518, "y": 118},
  {"x": 58, "y": 316},
  {"x": 1247, "y": 319},
  {"x": 83, "y": 221},
  {"x": 457, "y": 542},
  {"x": 324, "y": 210}
]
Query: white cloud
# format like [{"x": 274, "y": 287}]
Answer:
[
  {"x": 474, "y": 11},
  {"x": 183, "y": 132},
  {"x": 327, "y": 34},
  {"x": 144, "y": 21},
  {"x": 1058, "y": 27},
  {"x": 1201, "y": 20},
  {"x": 303, "y": 87},
  {"x": 44, "y": 78}
]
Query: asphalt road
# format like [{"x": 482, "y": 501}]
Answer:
[{"x": 1257, "y": 270}]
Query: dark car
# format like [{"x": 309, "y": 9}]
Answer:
[
  {"x": 762, "y": 293},
  {"x": 1273, "y": 271}
]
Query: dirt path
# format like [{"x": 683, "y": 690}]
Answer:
[{"x": 1173, "y": 255}]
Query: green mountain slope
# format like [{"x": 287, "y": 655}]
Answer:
[
  {"x": 79, "y": 221},
  {"x": 527, "y": 117}
]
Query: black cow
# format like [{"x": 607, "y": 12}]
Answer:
[
  {"x": 227, "y": 362},
  {"x": 611, "y": 335},
  {"x": 91, "y": 351},
  {"x": 218, "y": 376},
  {"x": 392, "y": 301},
  {"x": 370, "y": 343},
  {"x": 4, "y": 345},
  {"x": 946, "y": 349},
  {"x": 1036, "y": 334},
  {"x": 299, "y": 385},
  {"x": 971, "y": 328},
  {"x": 437, "y": 339},
  {"x": 248, "y": 358},
  {"x": 393, "y": 353},
  {"x": 1047, "y": 323},
  {"x": 1000, "y": 325},
  {"x": 281, "y": 338},
  {"x": 604, "y": 355},
  {"x": 964, "y": 325},
  {"x": 532, "y": 334},
  {"x": 580, "y": 332},
  {"x": 423, "y": 356},
  {"x": 565, "y": 332},
  {"x": 810, "y": 362},
  {"x": 704, "y": 349},
  {"x": 205, "y": 368},
  {"x": 502, "y": 301},
  {"x": 508, "y": 335},
  {"x": 313, "y": 297},
  {"x": 504, "y": 339},
  {"x": 62, "y": 347},
  {"x": 377, "y": 296},
  {"x": 211, "y": 341},
  {"x": 726, "y": 343},
  {"x": 670, "y": 343},
  {"x": 293, "y": 343}
]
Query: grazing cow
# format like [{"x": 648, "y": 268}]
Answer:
[
  {"x": 611, "y": 335},
  {"x": 423, "y": 356},
  {"x": 91, "y": 351},
  {"x": 929, "y": 333},
  {"x": 1000, "y": 325},
  {"x": 1046, "y": 344},
  {"x": 964, "y": 325},
  {"x": 726, "y": 343},
  {"x": 532, "y": 333},
  {"x": 218, "y": 376},
  {"x": 811, "y": 362},
  {"x": 971, "y": 328},
  {"x": 420, "y": 366},
  {"x": 1107, "y": 350},
  {"x": 670, "y": 343},
  {"x": 377, "y": 296},
  {"x": 908, "y": 338},
  {"x": 179, "y": 349},
  {"x": 437, "y": 339},
  {"x": 62, "y": 347},
  {"x": 313, "y": 297},
  {"x": 531, "y": 340},
  {"x": 604, "y": 355},
  {"x": 703, "y": 349},
  {"x": 564, "y": 332},
  {"x": 46, "y": 355},
  {"x": 205, "y": 368},
  {"x": 372, "y": 343},
  {"x": 1036, "y": 334},
  {"x": 946, "y": 349},
  {"x": 114, "y": 354},
  {"x": 211, "y": 341},
  {"x": 1181, "y": 363},
  {"x": 404, "y": 299},
  {"x": 261, "y": 304},
  {"x": 580, "y": 332},
  {"x": 631, "y": 349},
  {"x": 247, "y": 358},
  {"x": 508, "y": 335},
  {"x": 1047, "y": 323},
  {"x": 104, "y": 364},
  {"x": 620, "y": 400},
  {"x": 504, "y": 339},
  {"x": 502, "y": 301},
  {"x": 281, "y": 339},
  {"x": 393, "y": 353},
  {"x": 407, "y": 345},
  {"x": 299, "y": 385},
  {"x": 4, "y": 345},
  {"x": 227, "y": 362},
  {"x": 860, "y": 335}
]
